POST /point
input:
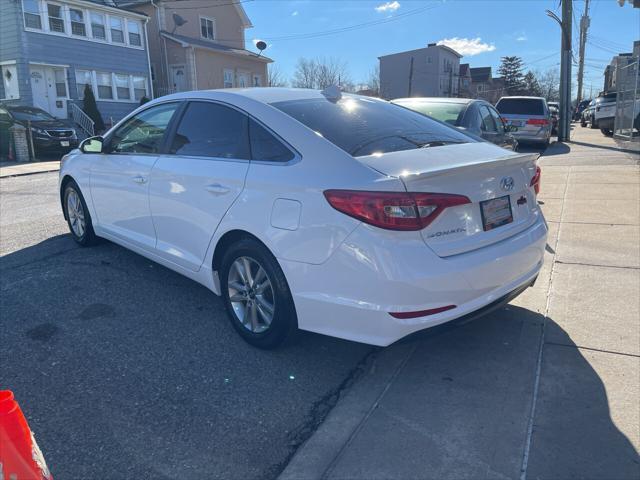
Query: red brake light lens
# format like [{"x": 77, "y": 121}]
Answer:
[
  {"x": 393, "y": 210},
  {"x": 538, "y": 121},
  {"x": 535, "y": 181}
]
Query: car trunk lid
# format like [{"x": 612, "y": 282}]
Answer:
[{"x": 480, "y": 171}]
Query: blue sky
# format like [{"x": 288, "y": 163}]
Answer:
[{"x": 485, "y": 30}]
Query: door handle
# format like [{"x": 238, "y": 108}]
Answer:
[
  {"x": 139, "y": 179},
  {"x": 217, "y": 189}
]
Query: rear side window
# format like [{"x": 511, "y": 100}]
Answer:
[
  {"x": 362, "y": 126},
  {"x": 212, "y": 130},
  {"x": 266, "y": 147},
  {"x": 448, "y": 112},
  {"x": 520, "y": 106}
]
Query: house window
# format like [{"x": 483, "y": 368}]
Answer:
[
  {"x": 257, "y": 80},
  {"x": 61, "y": 82},
  {"x": 56, "y": 19},
  {"x": 228, "y": 78},
  {"x": 134, "y": 33},
  {"x": 428, "y": 59},
  {"x": 207, "y": 28},
  {"x": 97, "y": 26},
  {"x": 83, "y": 78},
  {"x": 480, "y": 87},
  {"x": 117, "y": 33},
  {"x": 32, "y": 14},
  {"x": 105, "y": 86},
  {"x": 139, "y": 87},
  {"x": 122, "y": 87},
  {"x": 77, "y": 22}
]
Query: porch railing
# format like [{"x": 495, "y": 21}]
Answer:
[{"x": 82, "y": 120}]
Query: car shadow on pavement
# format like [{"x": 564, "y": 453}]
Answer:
[
  {"x": 494, "y": 360},
  {"x": 608, "y": 147},
  {"x": 121, "y": 361}
]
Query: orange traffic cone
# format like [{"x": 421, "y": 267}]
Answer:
[{"x": 20, "y": 457}]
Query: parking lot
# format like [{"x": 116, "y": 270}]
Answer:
[{"x": 125, "y": 369}]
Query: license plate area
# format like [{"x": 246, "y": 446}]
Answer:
[
  {"x": 496, "y": 212},
  {"x": 517, "y": 123},
  {"x": 64, "y": 143}
]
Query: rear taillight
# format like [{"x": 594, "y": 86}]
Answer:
[
  {"x": 393, "y": 210},
  {"x": 537, "y": 121},
  {"x": 535, "y": 181}
]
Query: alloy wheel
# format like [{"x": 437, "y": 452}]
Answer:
[
  {"x": 251, "y": 294},
  {"x": 75, "y": 211}
]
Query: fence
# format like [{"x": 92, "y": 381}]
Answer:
[
  {"x": 627, "y": 120},
  {"x": 82, "y": 119}
]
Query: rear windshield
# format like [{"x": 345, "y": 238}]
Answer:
[
  {"x": 520, "y": 106},
  {"x": 446, "y": 112},
  {"x": 607, "y": 98},
  {"x": 361, "y": 126}
]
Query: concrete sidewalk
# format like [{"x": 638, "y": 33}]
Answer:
[
  {"x": 14, "y": 169},
  {"x": 545, "y": 388}
]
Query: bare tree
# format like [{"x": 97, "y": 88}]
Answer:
[
  {"x": 321, "y": 73},
  {"x": 275, "y": 78},
  {"x": 373, "y": 82},
  {"x": 549, "y": 83}
]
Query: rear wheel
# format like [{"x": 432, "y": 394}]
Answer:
[
  {"x": 583, "y": 123},
  {"x": 607, "y": 132},
  {"x": 256, "y": 295},
  {"x": 593, "y": 123},
  {"x": 78, "y": 217}
]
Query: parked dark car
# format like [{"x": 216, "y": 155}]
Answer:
[
  {"x": 477, "y": 117},
  {"x": 577, "y": 115},
  {"x": 50, "y": 135}
]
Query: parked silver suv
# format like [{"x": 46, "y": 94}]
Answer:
[{"x": 528, "y": 117}]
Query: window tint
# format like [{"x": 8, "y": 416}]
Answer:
[
  {"x": 212, "y": 130},
  {"x": 265, "y": 146},
  {"x": 520, "y": 106},
  {"x": 143, "y": 133},
  {"x": 448, "y": 112},
  {"x": 497, "y": 119},
  {"x": 487, "y": 124},
  {"x": 362, "y": 126}
]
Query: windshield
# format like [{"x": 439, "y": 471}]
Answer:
[
  {"x": 520, "y": 106},
  {"x": 447, "y": 112},
  {"x": 31, "y": 114},
  {"x": 362, "y": 126}
]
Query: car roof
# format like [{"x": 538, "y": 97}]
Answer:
[
  {"x": 435, "y": 99},
  {"x": 522, "y": 97}
]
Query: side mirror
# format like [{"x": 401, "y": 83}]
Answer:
[{"x": 92, "y": 145}]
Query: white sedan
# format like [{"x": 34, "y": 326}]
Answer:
[{"x": 338, "y": 214}]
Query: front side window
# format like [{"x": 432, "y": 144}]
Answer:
[
  {"x": 134, "y": 33},
  {"x": 144, "y": 132},
  {"x": 83, "y": 79},
  {"x": 117, "y": 33},
  {"x": 122, "y": 87},
  {"x": 139, "y": 87},
  {"x": 77, "y": 22},
  {"x": 266, "y": 147},
  {"x": 497, "y": 119},
  {"x": 97, "y": 26},
  {"x": 362, "y": 126},
  {"x": 228, "y": 79},
  {"x": 61, "y": 82},
  {"x": 32, "y": 17},
  {"x": 105, "y": 86},
  {"x": 56, "y": 20},
  {"x": 207, "y": 28},
  {"x": 212, "y": 130}
]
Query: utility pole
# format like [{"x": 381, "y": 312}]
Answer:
[
  {"x": 410, "y": 76},
  {"x": 564, "y": 127},
  {"x": 584, "y": 26}
]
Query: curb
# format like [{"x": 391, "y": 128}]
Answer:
[
  {"x": 318, "y": 455},
  {"x": 10, "y": 175}
]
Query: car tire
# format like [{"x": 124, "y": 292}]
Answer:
[
  {"x": 593, "y": 123},
  {"x": 77, "y": 215},
  {"x": 583, "y": 123},
  {"x": 259, "y": 305},
  {"x": 607, "y": 132}
]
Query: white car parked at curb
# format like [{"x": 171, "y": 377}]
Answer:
[{"x": 338, "y": 214}]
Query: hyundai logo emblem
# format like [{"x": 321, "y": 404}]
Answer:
[{"x": 507, "y": 183}]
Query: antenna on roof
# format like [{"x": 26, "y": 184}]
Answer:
[{"x": 178, "y": 21}]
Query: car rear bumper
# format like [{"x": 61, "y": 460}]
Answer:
[
  {"x": 538, "y": 136},
  {"x": 606, "y": 123},
  {"x": 351, "y": 294}
]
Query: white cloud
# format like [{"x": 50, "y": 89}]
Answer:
[
  {"x": 521, "y": 36},
  {"x": 467, "y": 46},
  {"x": 295, "y": 14},
  {"x": 388, "y": 6}
]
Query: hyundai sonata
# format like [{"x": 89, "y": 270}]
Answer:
[{"x": 338, "y": 214}]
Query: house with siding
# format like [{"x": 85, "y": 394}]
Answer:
[
  {"x": 49, "y": 51},
  {"x": 195, "y": 45}
]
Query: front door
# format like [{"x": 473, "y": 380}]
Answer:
[
  {"x": 49, "y": 89},
  {"x": 195, "y": 183},
  {"x": 120, "y": 177},
  {"x": 179, "y": 78}
]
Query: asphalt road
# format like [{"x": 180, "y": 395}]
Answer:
[{"x": 125, "y": 369}]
